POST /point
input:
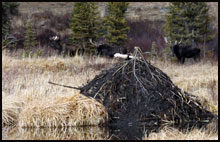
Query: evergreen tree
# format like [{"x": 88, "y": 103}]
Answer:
[
  {"x": 30, "y": 40},
  {"x": 85, "y": 24},
  {"x": 95, "y": 28},
  {"x": 188, "y": 21},
  {"x": 115, "y": 23},
  {"x": 8, "y": 9}
]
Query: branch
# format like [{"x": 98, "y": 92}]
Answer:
[{"x": 65, "y": 86}]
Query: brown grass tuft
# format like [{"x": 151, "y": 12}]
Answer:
[
  {"x": 65, "y": 133},
  {"x": 76, "y": 110},
  {"x": 170, "y": 133},
  {"x": 10, "y": 110}
]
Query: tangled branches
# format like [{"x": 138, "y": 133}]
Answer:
[{"x": 136, "y": 92}]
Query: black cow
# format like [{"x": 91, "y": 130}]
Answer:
[
  {"x": 107, "y": 50},
  {"x": 55, "y": 43},
  {"x": 63, "y": 46},
  {"x": 14, "y": 42},
  {"x": 183, "y": 52}
]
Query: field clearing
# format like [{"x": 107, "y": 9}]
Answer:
[{"x": 26, "y": 81}]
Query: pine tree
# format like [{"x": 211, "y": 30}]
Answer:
[
  {"x": 8, "y": 9},
  {"x": 85, "y": 24},
  {"x": 188, "y": 21},
  {"x": 115, "y": 23},
  {"x": 95, "y": 28},
  {"x": 30, "y": 40}
]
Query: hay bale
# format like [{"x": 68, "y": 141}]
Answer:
[
  {"x": 76, "y": 110},
  {"x": 11, "y": 106},
  {"x": 136, "y": 92}
]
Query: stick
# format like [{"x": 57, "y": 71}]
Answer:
[{"x": 65, "y": 86}]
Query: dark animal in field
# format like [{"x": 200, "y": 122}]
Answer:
[
  {"x": 183, "y": 52},
  {"x": 44, "y": 37},
  {"x": 63, "y": 46},
  {"x": 107, "y": 50},
  {"x": 10, "y": 42},
  {"x": 13, "y": 42},
  {"x": 55, "y": 43}
]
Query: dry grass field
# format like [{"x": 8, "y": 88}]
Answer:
[
  {"x": 25, "y": 85},
  {"x": 28, "y": 100}
]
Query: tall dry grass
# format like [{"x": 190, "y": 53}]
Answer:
[
  {"x": 76, "y": 110},
  {"x": 25, "y": 89},
  {"x": 169, "y": 133},
  {"x": 64, "y": 133},
  {"x": 26, "y": 94}
]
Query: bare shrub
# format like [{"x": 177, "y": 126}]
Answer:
[{"x": 143, "y": 32}]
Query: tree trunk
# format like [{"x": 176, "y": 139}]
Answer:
[
  {"x": 193, "y": 43},
  {"x": 204, "y": 49}
]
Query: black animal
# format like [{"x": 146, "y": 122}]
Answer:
[
  {"x": 183, "y": 52},
  {"x": 63, "y": 46},
  {"x": 13, "y": 42},
  {"x": 55, "y": 43},
  {"x": 107, "y": 50}
]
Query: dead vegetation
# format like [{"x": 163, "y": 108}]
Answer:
[
  {"x": 29, "y": 104},
  {"x": 170, "y": 133},
  {"x": 76, "y": 110},
  {"x": 25, "y": 81},
  {"x": 64, "y": 133},
  {"x": 135, "y": 91}
]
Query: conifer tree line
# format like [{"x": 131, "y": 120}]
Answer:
[
  {"x": 86, "y": 24},
  {"x": 188, "y": 21},
  {"x": 8, "y": 9},
  {"x": 115, "y": 23}
]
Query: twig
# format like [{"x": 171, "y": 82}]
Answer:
[
  {"x": 65, "y": 86},
  {"x": 136, "y": 50}
]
